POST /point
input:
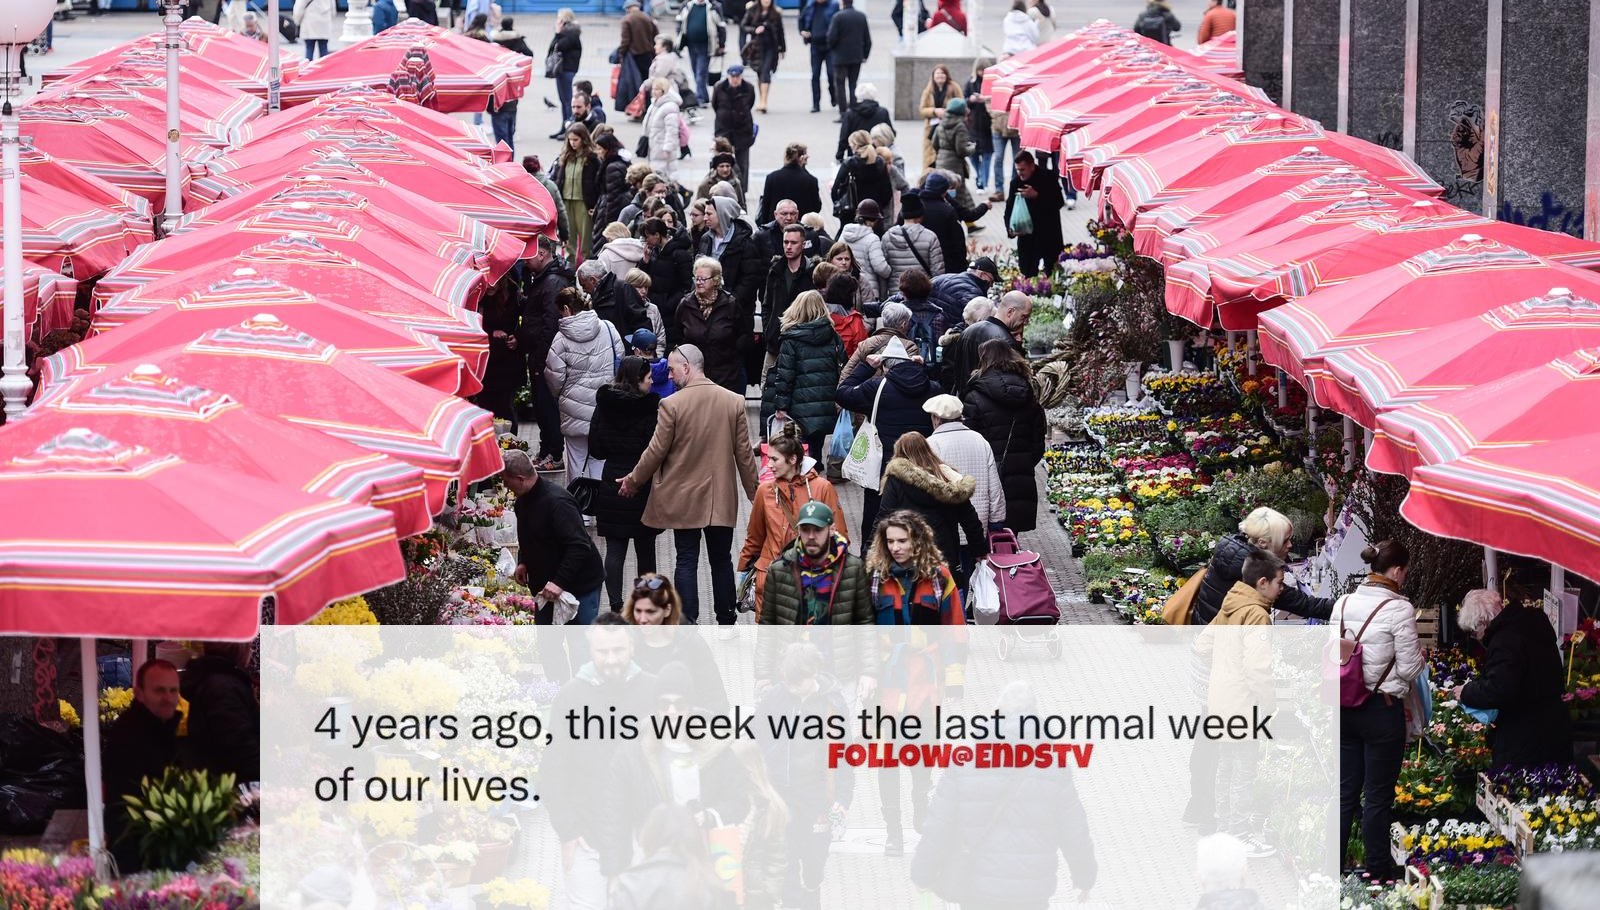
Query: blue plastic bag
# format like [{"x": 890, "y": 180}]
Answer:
[{"x": 844, "y": 433}]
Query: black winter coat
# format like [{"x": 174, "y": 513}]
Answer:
[
  {"x": 1227, "y": 560},
  {"x": 719, "y": 337},
  {"x": 618, "y": 303},
  {"x": 735, "y": 108},
  {"x": 1013, "y": 859},
  {"x": 965, "y": 361},
  {"x": 224, "y": 718},
  {"x": 671, "y": 271},
  {"x": 940, "y": 217},
  {"x": 806, "y": 377},
  {"x": 979, "y": 121},
  {"x": 863, "y": 115},
  {"x": 952, "y": 291},
  {"x": 569, "y": 41},
  {"x": 849, "y": 37},
  {"x": 743, "y": 269},
  {"x": 553, "y": 543},
  {"x": 945, "y": 503},
  {"x": 507, "y": 369},
  {"x": 577, "y": 790},
  {"x": 624, "y": 420},
  {"x": 781, "y": 288},
  {"x": 1522, "y": 677},
  {"x": 1044, "y": 208},
  {"x": 1005, "y": 410},
  {"x": 143, "y": 746},
  {"x": 900, "y": 409},
  {"x": 541, "y": 318},
  {"x": 637, "y": 785},
  {"x": 791, "y": 182},
  {"x": 614, "y": 197},
  {"x": 872, "y": 182},
  {"x": 591, "y": 179}
]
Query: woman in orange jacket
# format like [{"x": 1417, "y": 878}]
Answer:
[{"x": 778, "y": 502}]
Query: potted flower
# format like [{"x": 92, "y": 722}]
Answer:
[
  {"x": 455, "y": 860},
  {"x": 490, "y": 836},
  {"x": 518, "y": 894}
]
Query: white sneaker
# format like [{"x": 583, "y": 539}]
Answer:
[
  {"x": 1072, "y": 203},
  {"x": 1255, "y": 847},
  {"x": 726, "y": 633}
]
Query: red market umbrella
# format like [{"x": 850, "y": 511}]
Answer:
[
  {"x": 1135, "y": 186},
  {"x": 1208, "y": 284},
  {"x": 1461, "y": 278},
  {"x": 491, "y": 251},
  {"x": 1090, "y": 156},
  {"x": 502, "y": 196},
  {"x": 1448, "y": 357},
  {"x": 47, "y": 299},
  {"x": 1220, "y": 55},
  {"x": 1092, "y": 92},
  {"x": 999, "y": 80},
  {"x": 419, "y": 357},
  {"x": 64, "y": 232},
  {"x": 215, "y": 111},
  {"x": 43, "y": 167},
  {"x": 1511, "y": 464},
  {"x": 110, "y": 144},
  {"x": 334, "y": 279},
  {"x": 449, "y": 281},
  {"x": 375, "y": 108},
  {"x": 124, "y": 542},
  {"x": 1163, "y": 109},
  {"x": 210, "y": 430},
  {"x": 219, "y": 56},
  {"x": 274, "y": 368},
  {"x": 1288, "y": 174},
  {"x": 466, "y": 74}
]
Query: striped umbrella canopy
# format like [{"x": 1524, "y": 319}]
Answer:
[
  {"x": 1091, "y": 155},
  {"x": 419, "y": 357},
  {"x": 208, "y": 52},
  {"x": 125, "y": 542},
  {"x": 1167, "y": 175},
  {"x": 1288, "y": 174},
  {"x": 210, "y": 430},
  {"x": 47, "y": 299},
  {"x": 1392, "y": 373},
  {"x": 502, "y": 196},
  {"x": 281, "y": 371},
  {"x": 370, "y": 242},
  {"x": 43, "y": 167},
  {"x": 64, "y": 232},
  {"x": 1221, "y": 55},
  {"x": 466, "y": 74},
  {"x": 492, "y": 251},
  {"x": 378, "y": 109},
  {"x": 210, "y": 112},
  {"x": 334, "y": 279},
  {"x": 1461, "y": 278},
  {"x": 1056, "y": 109},
  {"x": 1207, "y": 285},
  {"x": 1017, "y": 74},
  {"x": 111, "y": 144},
  {"x": 1513, "y": 464}
]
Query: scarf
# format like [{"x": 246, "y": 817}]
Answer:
[
  {"x": 817, "y": 579},
  {"x": 907, "y": 577},
  {"x": 1374, "y": 578}
]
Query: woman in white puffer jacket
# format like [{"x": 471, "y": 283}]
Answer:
[
  {"x": 1372, "y": 736},
  {"x": 661, "y": 125},
  {"x": 581, "y": 360}
]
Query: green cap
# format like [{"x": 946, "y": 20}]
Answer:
[{"x": 815, "y": 514}]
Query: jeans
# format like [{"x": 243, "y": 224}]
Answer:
[
  {"x": 980, "y": 168},
  {"x": 558, "y": 663},
  {"x": 1001, "y": 157},
  {"x": 700, "y": 63},
  {"x": 1372, "y": 741},
  {"x": 316, "y": 47},
  {"x": 807, "y": 848},
  {"x": 644, "y": 554},
  {"x": 817, "y": 447},
  {"x": 848, "y": 75},
  {"x": 1236, "y": 780},
  {"x": 719, "y": 553},
  {"x": 564, "y": 93},
  {"x": 820, "y": 62},
  {"x": 504, "y": 122}
]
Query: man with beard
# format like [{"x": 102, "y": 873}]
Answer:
[
  {"x": 575, "y": 791},
  {"x": 769, "y": 236},
  {"x": 787, "y": 278}
]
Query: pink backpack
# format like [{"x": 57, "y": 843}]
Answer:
[
  {"x": 1353, "y": 691},
  {"x": 1025, "y": 594}
]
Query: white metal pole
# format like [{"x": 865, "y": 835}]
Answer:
[
  {"x": 1558, "y": 581},
  {"x": 174, "y": 202},
  {"x": 274, "y": 60},
  {"x": 1252, "y": 349},
  {"x": 1491, "y": 569},
  {"x": 14, "y": 384},
  {"x": 1283, "y": 389},
  {"x": 91, "y": 756},
  {"x": 1349, "y": 444},
  {"x": 141, "y": 653},
  {"x": 1311, "y": 426}
]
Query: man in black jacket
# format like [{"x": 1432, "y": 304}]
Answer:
[
  {"x": 1039, "y": 189},
  {"x": 1008, "y": 321},
  {"x": 940, "y": 216},
  {"x": 143, "y": 741},
  {"x": 769, "y": 236},
  {"x": 546, "y": 275},
  {"x": 792, "y": 183},
  {"x": 734, "y": 100},
  {"x": 850, "y": 43},
  {"x": 555, "y": 554},
  {"x": 863, "y": 114},
  {"x": 788, "y": 277},
  {"x": 224, "y": 715}
]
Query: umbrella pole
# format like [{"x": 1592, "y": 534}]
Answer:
[
  {"x": 91, "y": 756},
  {"x": 1283, "y": 389},
  {"x": 141, "y": 652},
  {"x": 1251, "y": 348},
  {"x": 14, "y": 381},
  {"x": 174, "y": 201},
  {"x": 274, "y": 61},
  {"x": 1491, "y": 568},
  {"x": 1349, "y": 444}
]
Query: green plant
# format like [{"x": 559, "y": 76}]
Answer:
[{"x": 181, "y": 816}]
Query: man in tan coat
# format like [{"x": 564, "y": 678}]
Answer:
[{"x": 700, "y": 448}]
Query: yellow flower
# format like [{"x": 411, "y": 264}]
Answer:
[
  {"x": 69, "y": 714},
  {"x": 352, "y": 611}
]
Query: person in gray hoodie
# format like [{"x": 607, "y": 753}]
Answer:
[{"x": 581, "y": 360}]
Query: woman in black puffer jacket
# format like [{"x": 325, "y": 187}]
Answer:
[
  {"x": 624, "y": 420},
  {"x": 1263, "y": 529},
  {"x": 615, "y": 193},
  {"x": 1003, "y": 407},
  {"x": 801, "y": 385}
]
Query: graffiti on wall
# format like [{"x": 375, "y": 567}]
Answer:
[
  {"x": 1464, "y": 123},
  {"x": 1552, "y": 215}
]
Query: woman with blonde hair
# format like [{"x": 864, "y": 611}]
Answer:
[
  {"x": 801, "y": 384},
  {"x": 863, "y": 175},
  {"x": 641, "y": 282},
  {"x": 662, "y": 127},
  {"x": 1263, "y": 529},
  {"x": 708, "y": 318}
]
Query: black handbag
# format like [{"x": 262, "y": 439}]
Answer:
[
  {"x": 642, "y": 150},
  {"x": 552, "y": 64},
  {"x": 584, "y": 490}
]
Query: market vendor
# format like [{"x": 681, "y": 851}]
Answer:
[
  {"x": 1263, "y": 529},
  {"x": 141, "y": 743},
  {"x": 1521, "y": 679}
]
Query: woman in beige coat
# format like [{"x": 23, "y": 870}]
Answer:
[{"x": 940, "y": 89}]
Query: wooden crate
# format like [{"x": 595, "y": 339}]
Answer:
[{"x": 1428, "y": 627}]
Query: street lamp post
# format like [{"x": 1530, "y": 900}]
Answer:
[
  {"x": 174, "y": 202},
  {"x": 20, "y": 22},
  {"x": 274, "y": 56}
]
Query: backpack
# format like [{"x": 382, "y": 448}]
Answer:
[
  {"x": 925, "y": 331},
  {"x": 1152, "y": 24},
  {"x": 1353, "y": 691}
]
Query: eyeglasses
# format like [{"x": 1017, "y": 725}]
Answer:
[
  {"x": 649, "y": 583},
  {"x": 672, "y": 701},
  {"x": 702, "y": 279}
]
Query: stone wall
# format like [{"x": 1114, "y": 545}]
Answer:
[
  {"x": 1544, "y": 65},
  {"x": 1314, "y": 90},
  {"x": 1451, "y": 52},
  {"x": 1377, "y": 71},
  {"x": 1263, "y": 46}
]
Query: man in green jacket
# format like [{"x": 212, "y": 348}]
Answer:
[{"x": 818, "y": 582}]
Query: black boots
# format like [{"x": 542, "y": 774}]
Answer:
[{"x": 894, "y": 842}]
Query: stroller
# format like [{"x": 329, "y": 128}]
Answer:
[{"x": 1009, "y": 589}]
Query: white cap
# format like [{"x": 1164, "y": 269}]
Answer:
[{"x": 894, "y": 350}]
